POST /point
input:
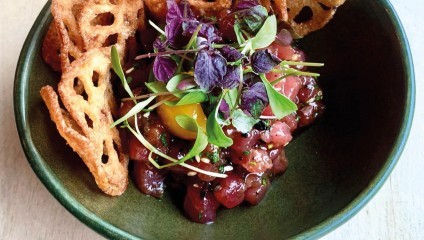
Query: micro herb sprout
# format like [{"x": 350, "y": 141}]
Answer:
[{"x": 192, "y": 65}]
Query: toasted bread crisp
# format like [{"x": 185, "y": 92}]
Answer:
[
  {"x": 305, "y": 16},
  {"x": 204, "y": 7},
  {"x": 50, "y": 50},
  {"x": 87, "y": 29}
]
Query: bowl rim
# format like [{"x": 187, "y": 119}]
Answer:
[{"x": 57, "y": 189}]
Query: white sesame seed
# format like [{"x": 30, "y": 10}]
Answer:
[
  {"x": 195, "y": 185},
  {"x": 205, "y": 160},
  {"x": 191, "y": 174},
  {"x": 228, "y": 168},
  {"x": 129, "y": 70},
  {"x": 217, "y": 188},
  {"x": 197, "y": 158},
  {"x": 146, "y": 115}
]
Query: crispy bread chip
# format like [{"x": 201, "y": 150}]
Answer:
[
  {"x": 125, "y": 20},
  {"x": 85, "y": 123},
  {"x": 305, "y": 16},
  {"x": 157, "y": 9},
  {"x": 50, "y": 50},
  {"x": 86, "y": 30},
  {"x": 204, "y": 7}
]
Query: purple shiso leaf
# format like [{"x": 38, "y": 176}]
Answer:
[
  {"x": 252, "y": 19},
  {"x": 230, "y": 53},
  {"x": 225, "y": 109},
  {"x": 164, "y": 68},
  {"x": 246, "y": 4},
  {"x": 159, "y": 45},
  {"x": 176, "y": 15},
  {"x": 264, "y": 61},
  {"x": 254, "y": 99},
  {"x": 209, "y": 69},
  {"x": 179, "y": 11},
  {"x": 186, "y": 84},
  {"x": 284, "y": 37},
  {"x": 231, "y": 78},
  {"x": 173, "y": 33},
  {"x": 207, "y": 31}
]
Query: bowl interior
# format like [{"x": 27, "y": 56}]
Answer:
[{"x": 365, "y": 82}]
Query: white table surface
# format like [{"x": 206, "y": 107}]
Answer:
[{"x": 28, "y": 211}]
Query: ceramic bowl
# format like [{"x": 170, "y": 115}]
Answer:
[{"x": 335, "y": 166}]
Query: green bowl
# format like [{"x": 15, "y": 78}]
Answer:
[{"x": 336, "y": 166}]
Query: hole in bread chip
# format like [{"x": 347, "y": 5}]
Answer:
[
  {"x": 103, "y": 19},
  {"x": 83, "y": 94},
  {"x": 89, "y": 121},
  {"x": 105, "y": 159},
  {"x": 304, "y": 15},
  {"x": 324, "y": 7},
  {"x": 111, "y": 40},
  {"x": 95, "y": 79}
]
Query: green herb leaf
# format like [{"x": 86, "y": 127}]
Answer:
[
  {"x": 266, "y": 34},
  {"x": 242, "y": 122},
  {"x": 193, "y": 97},
  {"x": 174, "y": 81},
  {"x": 239, "y": 34},
  {"x": 136, "y": 109},
  {"x": 214, "y": 156},
  {"x": 116, "y": 65},
  {"x": 163, "y": 139},
  {"x": 156, "y": 87},
  {"x": 215, "y": 133},
  {"x": 231, "y": 98},
  {"x": 281, "y": 106},
  {"x": 201, "y": 142}
]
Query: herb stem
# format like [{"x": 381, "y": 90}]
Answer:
[
  {"x": 307, "y": 64},
  {"x": 150, "y": 55},
  {"x": 157, "y": 28}
]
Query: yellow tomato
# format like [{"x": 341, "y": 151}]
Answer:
[{"x": 168, "y": 113}]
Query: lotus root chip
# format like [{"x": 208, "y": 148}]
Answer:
[{"x": 305, "y": 16}]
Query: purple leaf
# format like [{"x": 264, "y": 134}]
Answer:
[
  {"x": 176, "y": 15},
  {"x": 251, "y": 19},
  {"x": 173, "y": 33},
  {"x": 186, "y": 84},
  {"x": 284, "y": 37},
  {"x": 207, "y": 31},
  {"x": 225, "y": 109},
  {"x": 254, "y": 99},
  {"x": 246, "y": 4},
  {"x": 231, "y": 78},
  {"x": 209, "y": 69},
  {"x": 264, "y": 61},
  {"x": 159, "y": 45},
  {"x": 230, "y": 53},
  {"x": 164, "y": 68},
  {"x": 179, "y": 11}
]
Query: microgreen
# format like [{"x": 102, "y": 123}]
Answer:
[
  {"x": 209, "y": 69},
  {"x": 116, "y": 65},
  {"x": 281, "y": 106},
  {"x": 193, "y": 97},
  {"x": 136, "y": 109},
  {"x": 201, "y": 142},
  {"x": 266, "y": 34},
  {"x": 215, "y": 133},
  {"x": 242, "y": 122}
]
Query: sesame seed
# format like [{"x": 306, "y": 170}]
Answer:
[
  {"x": 205, "y": 160},
  {"x": 197, "y": 158},
  {"x": 195, "y": 185},
  {"x": 129, "y": 70},
  {"x": 191, "y": 174},
  {"x": 146, "y": 115},
  {"x": 228, "y": 168}
]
